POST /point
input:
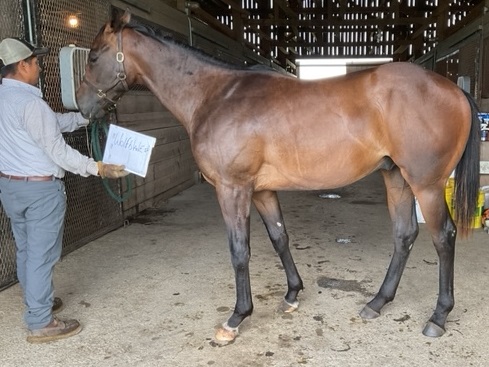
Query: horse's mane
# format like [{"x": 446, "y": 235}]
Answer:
[{"x": 168, "y": 38}]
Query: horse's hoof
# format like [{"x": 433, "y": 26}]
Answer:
[
  {"x": 368, "y": 313},
  {"x": 225, "y": 333},
  {"x": 288, "y": 307},
  {"x": 433, "y": 330}
]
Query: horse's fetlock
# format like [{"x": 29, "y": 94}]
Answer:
[
  {"x": 245, "y": 313},
  {"x": 447, "y": 305},
  {"x": 230, "y": 328}
]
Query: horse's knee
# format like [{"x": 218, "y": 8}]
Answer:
[
  {"x": 240, "y": 257},
  {"x": 405, "y": 237},
  {"x": 411, "y": 235}
]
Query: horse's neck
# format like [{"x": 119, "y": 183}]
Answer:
[{"x": 180, "y": 80}]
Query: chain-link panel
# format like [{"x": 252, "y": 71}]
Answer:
[
  {"x": 56, "y": 31},
  {"x": 7, "y": 253},
  {"x": 11, "y": 19},
  {"x": 91, "y": 211},
  {"x": 11, "y": 25}
]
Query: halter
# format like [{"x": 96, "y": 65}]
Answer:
[{"x": 120, "y": 77}]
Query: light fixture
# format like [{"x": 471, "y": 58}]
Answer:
[{"x": 73, "y": 21}]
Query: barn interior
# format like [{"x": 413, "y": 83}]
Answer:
[{"x": 449, "y": 37}]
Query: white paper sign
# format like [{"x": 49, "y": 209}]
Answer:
[{"x": 129, "y": 148}]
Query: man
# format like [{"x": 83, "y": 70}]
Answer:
[{"x": 33, "y": 158}]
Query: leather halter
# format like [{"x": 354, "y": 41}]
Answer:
[{"x": 120, "y": 78}]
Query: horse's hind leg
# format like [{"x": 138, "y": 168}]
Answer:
[
  {"x": 400, "y": 201},
  {"x": 443, "y": 234},
  {"x": 266, "y": 203}
]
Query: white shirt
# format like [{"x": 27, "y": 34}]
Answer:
[{"x": 31, "y": 140}]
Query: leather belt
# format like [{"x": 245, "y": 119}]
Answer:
[{"x": 28, "y": 178}]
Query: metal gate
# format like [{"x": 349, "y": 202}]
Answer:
[{"x": 91, "y": 211}]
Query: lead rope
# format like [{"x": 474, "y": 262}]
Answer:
[{"x": 93, "y": 143}]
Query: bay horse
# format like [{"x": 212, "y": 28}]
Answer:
[{"x": 254, "y": 132}]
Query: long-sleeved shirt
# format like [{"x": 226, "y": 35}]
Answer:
[{"x": 31, "y": 140}]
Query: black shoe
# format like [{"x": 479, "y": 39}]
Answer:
[{"x": 58, "y": 305}]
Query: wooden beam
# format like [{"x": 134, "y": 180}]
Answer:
[
  {"x": 299, "y": 44},
  {"x": 282, "y": 24},
  {"x": 337, "y": 22},
  {"x": 236, "y": 6},
  {"x": 285, "y": 8},
  {"x": 213, "y": 22},
  {"x": 441, "y": 9}
]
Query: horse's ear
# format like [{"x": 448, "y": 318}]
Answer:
[
  {"x": 119, "y": 19},
  {"x": 126, "y": 17}
]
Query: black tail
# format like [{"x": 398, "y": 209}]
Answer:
[{"x": 467, "y": 174}]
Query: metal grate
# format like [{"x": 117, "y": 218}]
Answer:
[
  {"x": 56, "y": 33},
  {"x": 7, "y": 253},
  {"x": 11, "y": 25},
  {"x": 91, "y": 211},
  {"x": 11, "y": 19}
]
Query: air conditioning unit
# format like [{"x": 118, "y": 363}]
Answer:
[{"x": 72, "y": 61}]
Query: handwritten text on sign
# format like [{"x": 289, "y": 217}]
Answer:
[{"x": 129, "y": 148}]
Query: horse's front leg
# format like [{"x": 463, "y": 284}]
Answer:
[
  {"x": 267, "y": 204},
  {"x": 235, "y": 206}
]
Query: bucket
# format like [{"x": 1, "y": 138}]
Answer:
[
  {"x": 449, "y": 196},
  {"x": 449, "y": 188},
  {"x": 485, "y": 189},
  {"x": 477, "y": 221},
  {"x": 481, "y": 202}
]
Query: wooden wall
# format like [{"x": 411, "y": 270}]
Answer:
[{"x": 172, "y": 167}]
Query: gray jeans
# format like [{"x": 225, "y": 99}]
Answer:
[{"x": 36, "y": 211}]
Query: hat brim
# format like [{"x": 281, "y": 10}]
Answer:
[{"x": 39, "y": 51}]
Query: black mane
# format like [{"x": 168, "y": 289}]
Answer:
[{"x": 168, "y": 38}]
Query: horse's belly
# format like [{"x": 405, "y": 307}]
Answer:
[{"x": 318, "y": 178}]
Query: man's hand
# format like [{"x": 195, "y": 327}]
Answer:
[{"x": 111, "y": 170}]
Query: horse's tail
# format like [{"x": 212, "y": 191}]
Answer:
[{"x": 467, "y": 174}]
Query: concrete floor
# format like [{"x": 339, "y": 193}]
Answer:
[{"x": 150, "y": 294}]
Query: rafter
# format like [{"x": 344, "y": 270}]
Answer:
[{"x": 287, "y": 29}]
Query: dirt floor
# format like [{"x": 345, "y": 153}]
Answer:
[{"x": 151, "y": 293}]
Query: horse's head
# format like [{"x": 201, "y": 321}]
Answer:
[{"x": 105, "y": 78}]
